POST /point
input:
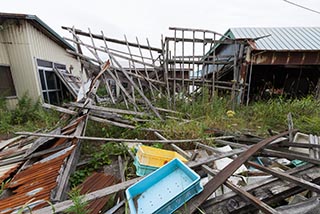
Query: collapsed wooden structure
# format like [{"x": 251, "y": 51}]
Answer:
[{"x": 138, "y": 81}]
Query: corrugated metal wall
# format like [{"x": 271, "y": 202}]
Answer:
[
  {"x": 44, "y": 48},
  {"x": 24, "y": 43},
  {"x": 4, "y": 58},
  {"x": 21, "y": 61}
]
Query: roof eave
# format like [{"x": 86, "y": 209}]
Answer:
[{"x": 49, "y": 31}]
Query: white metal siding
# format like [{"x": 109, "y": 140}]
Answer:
[
  {"x": 4, "y": 58},
  {"x": 24, "y": 44},
  {"x": 44, "y": 48},
  {"x": 22, "y": 69}
]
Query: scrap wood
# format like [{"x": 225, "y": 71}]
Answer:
[
  {"x": 310, "y": 206},
  {"x": 61, "y": 206},
  {"x": 265, "y": 208},
  {"x": 270, "y": 190},
  {"x": 114, "y": 139},
  {"x": 290, "y": 156},
  {"x": 108, "y": 109},
  {"x": 193, "y": 204},
  {"x": 298, "y": 181}
]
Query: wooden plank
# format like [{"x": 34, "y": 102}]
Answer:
[
  {"x": 175, "y": 147},
  {"x": 79, "y": 32},
  {"x": 218, "y": 180},
  {"x": 114, "y": 139},
  {"x": 290, "y": 156},
  {"x": 262, "y": 190},
  {"x": 298, "y": 181},
  {"x": 60, "y": 192},
  {"x": 146, "y": 100},
  {"x": 40, "y": 141},
  {"x": 265, "y": 208},
  {"x": 211, "y": 158}
]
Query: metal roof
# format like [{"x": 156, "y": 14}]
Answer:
[
  {"x": 95, "y": 182},
  {"x": 280, "y": 38},
  {"x": 40, "y": 25}
]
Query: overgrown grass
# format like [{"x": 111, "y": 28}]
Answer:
[
  {"x": 256, "y": 118},
  {"x": 27, "y": 116}
]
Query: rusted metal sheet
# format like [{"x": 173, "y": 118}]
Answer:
[
  {"x": 35, "y": 182},
  {"x": 5, "y": 171},
  {"x": 95, "y": 182},
  {"x": 224, "y": 174},
  {"x": 286, "y": 58}
]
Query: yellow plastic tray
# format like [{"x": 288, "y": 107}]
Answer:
[{"x": 151, "y": 156}]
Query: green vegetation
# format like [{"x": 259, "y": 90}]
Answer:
[
  {"x": 79, "y": 204},
  {"x": 27, "y": 116},
  {"x": 255, "y": 118},
  {"x": 99, "y": 156}
]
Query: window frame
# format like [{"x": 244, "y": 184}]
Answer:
[{"x": 14, "y": 95}]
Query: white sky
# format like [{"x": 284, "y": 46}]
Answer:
[{"x": 149, "y": 18}]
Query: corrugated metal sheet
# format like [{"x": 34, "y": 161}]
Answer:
[
  {"x": 4, "y": 58},
  {"x": 35, "y": 182},
  {"x": 21, "y": 60},
  {"x": 44, "y": 48},
  {"x": 95, "y": 182},
  {"x": 24, "y": 43},
  {"x": 282, "y": 38}
]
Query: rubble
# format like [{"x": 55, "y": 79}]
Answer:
[{"x": 242, "y": 174}]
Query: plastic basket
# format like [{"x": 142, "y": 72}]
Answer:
[
  {"x": 150, "y": 156},
  {"x": 142, "y": 170},
  {"x": 164, "y": 190}
]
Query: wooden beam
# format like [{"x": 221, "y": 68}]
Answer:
[
  {"x": 114, "y": 139},
  {"x": 100, "y": 37}
]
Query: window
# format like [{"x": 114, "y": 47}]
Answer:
[
  {"x": 53, "y": 90},
  {"x": 6, "y": 83}
]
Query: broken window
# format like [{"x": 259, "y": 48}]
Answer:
[
  {"x": 53, "y": 90},
  {"x": 6, "y": 83}
]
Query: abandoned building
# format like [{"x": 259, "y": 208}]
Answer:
[
  {"x": 269, "y": 61},
  {"x": 31, "y": 54}
]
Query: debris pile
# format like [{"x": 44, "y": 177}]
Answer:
[{"x": 236, "y": 174}]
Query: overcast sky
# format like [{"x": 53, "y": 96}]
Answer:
[{"x": 148, "y": 18}]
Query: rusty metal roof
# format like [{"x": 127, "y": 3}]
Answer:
[
  {"x": 34, "y": 183},
  {"x": 95, "y": 182},
  {"x": 280, "y": 38}
]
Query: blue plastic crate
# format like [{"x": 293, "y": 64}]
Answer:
[
  {"x": 142, "y": 170},
  {"x": 164, "y": 190}
]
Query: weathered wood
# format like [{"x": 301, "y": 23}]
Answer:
[
  {"x": 244, "y": 194},
  {"x": 145, "y": 69},
  {"x": 214, "y": 183},
  {"x": 115, "y": 78},
  {"x": 175, "y": 147},
  {"x": 59, "y": 207},
  {"x": 60, "y": 193},
  {"x": 131, "y": 62},
  {"x": 114, "y": 139},
  {"x": 298, "y": 181},
  {"x": 112, "y": 110},
  {"x": 79, "y": 32},
  {"x": 290, "y": 156},
  {"x": 232, "y": 144},
  {"x": 211, "y": 158},
  {"x": 146, "y": 100},
  {"x": 93, "y": 118},
  {"x": 223, "y": 203}
]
